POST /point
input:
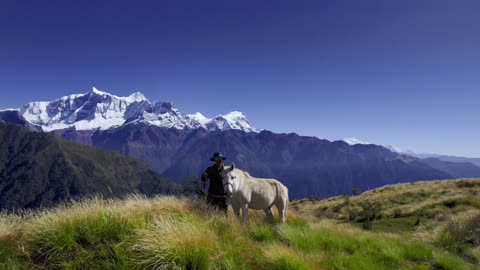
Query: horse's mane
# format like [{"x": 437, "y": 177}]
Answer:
[{"x": 245, "y": 173}]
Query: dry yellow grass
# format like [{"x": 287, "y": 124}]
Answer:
[
  {"x": 435, "y": 201},
  {"x": 169, "y": 232},
  {"x": 441, "y": 190}
]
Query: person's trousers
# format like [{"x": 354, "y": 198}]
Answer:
[{"x": 217, "y": 202}]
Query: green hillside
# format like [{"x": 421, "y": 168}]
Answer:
[
  {"x": 40, "y": 169},
  {"x": 181, "y": 233},
  {"x": 444, "y": 213},
  {"x": 432, "y": 202}
]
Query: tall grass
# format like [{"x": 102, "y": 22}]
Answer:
[{"x": 181, "y": 233}]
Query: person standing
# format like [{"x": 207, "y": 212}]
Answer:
[{"x": 216, "y": 193}]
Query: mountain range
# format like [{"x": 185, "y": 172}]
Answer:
[
  {"x": 179, "y": 145},
  {"x": 100, "y": 110},
  {"x": 459, "y": 167},
  {"x": 454, "y": 159}
]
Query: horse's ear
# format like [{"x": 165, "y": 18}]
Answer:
[{"x": 232, "y": 167}]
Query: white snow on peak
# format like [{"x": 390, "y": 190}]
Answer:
[
  {"x": 232, "y": 120},
  {"x": 96, "y": 91},
  {"x": 92, "y": 110},
  {"x": 35, "y": 112},
  {"x": 393, "y": 148},
  {"x": 234, "y": 115},
  {"x": 8, "y": 109},
  {"x": 136, "y": 97},
  {"x": 200, "y": 118},
  {"x": 100, "y": 110},
  {"x": 353, "y": 141}
]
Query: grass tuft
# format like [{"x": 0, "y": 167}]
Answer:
[
  {"x": 85, "y": 241},
  {"x": 262, "y": 232}
]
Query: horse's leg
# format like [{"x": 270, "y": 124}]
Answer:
[
  {"x": 284, "y": 214},
  {"x": 269, "y": 213},
  {"x": 282, "y": 210},
  {"x": 236, "y": 209},
  {"x": 281, "y": 202},
  {"x": 245, "y": 213}
]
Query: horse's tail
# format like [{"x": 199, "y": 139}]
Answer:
[
  {"x": 286, "y": 200},
  {"x": 282, "y": 200}
]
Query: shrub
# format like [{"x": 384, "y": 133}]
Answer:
[
  {"x": 353, "y": 214},
  {"x": 397, "y": 213},
  {"x": 451, "y": 238},
  {"x": 467, "y": 183},
  {"x": 458, "y": 236},
  {"x": 371, "y": 209},
  {"x": 367, "y": 225},
  {"x": 417, "y": 221},
  {"x": 369, "y": 213},
  {"x": 336, "y": 208},
  {"x": 472, "y": 230},
  {"x": 450, "y": 203}
]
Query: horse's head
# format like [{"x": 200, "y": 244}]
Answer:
[{"x": 227, "y": 180}]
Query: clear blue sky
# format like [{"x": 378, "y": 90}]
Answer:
[{"x": 405, "y": 73}]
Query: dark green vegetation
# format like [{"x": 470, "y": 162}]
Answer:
[
  {"x": 40, "y": 169},
  {"x": 180, "y": 233}
]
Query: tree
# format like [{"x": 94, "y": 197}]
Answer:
[{"x": 369, "y": 213}]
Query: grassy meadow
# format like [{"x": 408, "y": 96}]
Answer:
[{"x": 427, "y": 225}]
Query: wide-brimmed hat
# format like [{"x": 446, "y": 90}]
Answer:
[{"x": 217, "y": 156}]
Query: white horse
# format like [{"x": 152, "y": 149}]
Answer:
[{"x": 247, "y": 192}]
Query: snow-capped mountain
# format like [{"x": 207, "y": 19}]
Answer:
[
  {"x": 200, "y": 118},
  {"x": 393, "y": 148},
  {"x": 353, "y": 141},
  {"x": 233, "y": 120},
  {"x": 100, "y": 110}
]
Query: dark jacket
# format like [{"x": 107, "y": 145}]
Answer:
[{"x": 216, "y": 185}]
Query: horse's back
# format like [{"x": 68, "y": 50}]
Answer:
[{"x": 267, "y": 192}]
